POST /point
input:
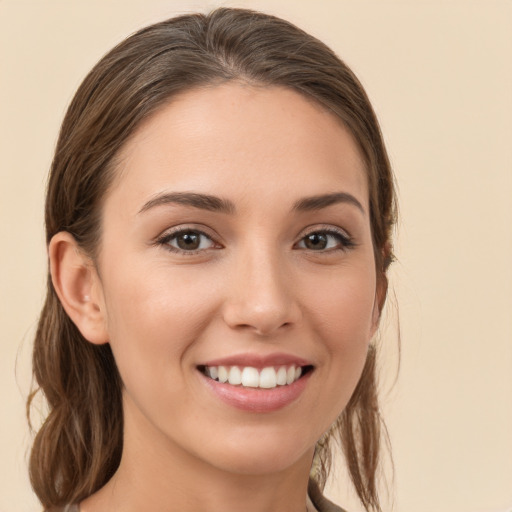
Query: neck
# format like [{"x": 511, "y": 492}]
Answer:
[{"x": 161, "y": 476}]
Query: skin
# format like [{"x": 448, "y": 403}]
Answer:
[{"x": 252, "y": 287}]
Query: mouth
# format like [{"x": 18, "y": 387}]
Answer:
[{"x": 268, "y": 377}]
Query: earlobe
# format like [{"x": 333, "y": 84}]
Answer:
[
  {"x": 375, "y": 318},
  {"x": 378, "y": 304},
  {"x": 78, "y": 287}
]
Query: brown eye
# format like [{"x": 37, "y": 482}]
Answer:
[
  {"x": 325, "y": 241},
  {"x": 188, "y": 241},
  {"x": 316, "y": 241}
]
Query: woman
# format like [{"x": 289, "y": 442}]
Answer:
[{"x": 218, "y": 222}]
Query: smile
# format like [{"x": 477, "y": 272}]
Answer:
[
  {"x": 257, "y": 383},
  {"x": 249, "y": 377}
]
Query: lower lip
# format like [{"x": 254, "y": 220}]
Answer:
[{"x": 257, "y": 399}]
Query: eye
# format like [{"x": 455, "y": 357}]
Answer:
[
  {"x": 325, "y": 240},
  {"x": 187, "y": 241}
]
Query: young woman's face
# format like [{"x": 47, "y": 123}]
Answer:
[{"x": 236, "y": 245}]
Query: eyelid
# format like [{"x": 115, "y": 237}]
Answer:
[{"x": 314, "y": 228}]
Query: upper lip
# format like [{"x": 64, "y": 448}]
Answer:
[{"x": 258, "y": 360}]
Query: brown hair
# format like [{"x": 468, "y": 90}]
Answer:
[{"x": 78, "y": 447}]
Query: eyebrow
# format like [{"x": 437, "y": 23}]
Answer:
[
  {"x": 217, "y": 204},
  {"x": 201, "y": 201},
  {"x": 323, "y": 201}
]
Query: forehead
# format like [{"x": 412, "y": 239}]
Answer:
[{"x": 243, "y": 139}]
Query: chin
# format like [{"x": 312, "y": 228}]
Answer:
[{"x": 259, "y": 455}]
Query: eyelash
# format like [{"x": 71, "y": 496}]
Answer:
[{"x": 344, "y": 241}]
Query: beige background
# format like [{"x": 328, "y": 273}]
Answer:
[{"x": 440, "y": 77}]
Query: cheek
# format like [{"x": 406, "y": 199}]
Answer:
[
  {"x": 152, "y": 317},
  {"x": 150, "y": 297},
  {"x": 342, "y": 320},
  {"x": 342, "y": 304}
]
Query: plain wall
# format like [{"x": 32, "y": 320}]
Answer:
[{"x": 439, "y": 74}]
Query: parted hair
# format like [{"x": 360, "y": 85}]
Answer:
[{"x": 78, "y": 447}]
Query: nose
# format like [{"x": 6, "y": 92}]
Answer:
[{"x": 262, "y": 297}]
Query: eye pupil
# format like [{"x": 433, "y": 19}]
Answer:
[
  {"x": 188, "y": 241},
  {"x": 316, "y": 241}
]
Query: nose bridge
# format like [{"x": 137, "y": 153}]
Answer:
[{"x": 260, "y": 296}]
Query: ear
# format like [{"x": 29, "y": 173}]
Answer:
[
  {"x": 381, "y": 292},
  {"x": 78, "y": 287}
]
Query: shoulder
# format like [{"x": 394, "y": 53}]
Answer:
[{"x": 321, "y": 503}]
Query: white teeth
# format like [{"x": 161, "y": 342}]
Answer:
[
  {"x": 250, "y": 377},
  {"x": 266, "y": 378},
  {"x": 235, "y": 376},
  {"x": 223, "y": 373},
  {"x": 281, "y": 376}
]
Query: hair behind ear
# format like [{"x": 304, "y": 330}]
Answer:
[
  {"x": 78, "y": 446},
  {"x": 358, "y": 432}
]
